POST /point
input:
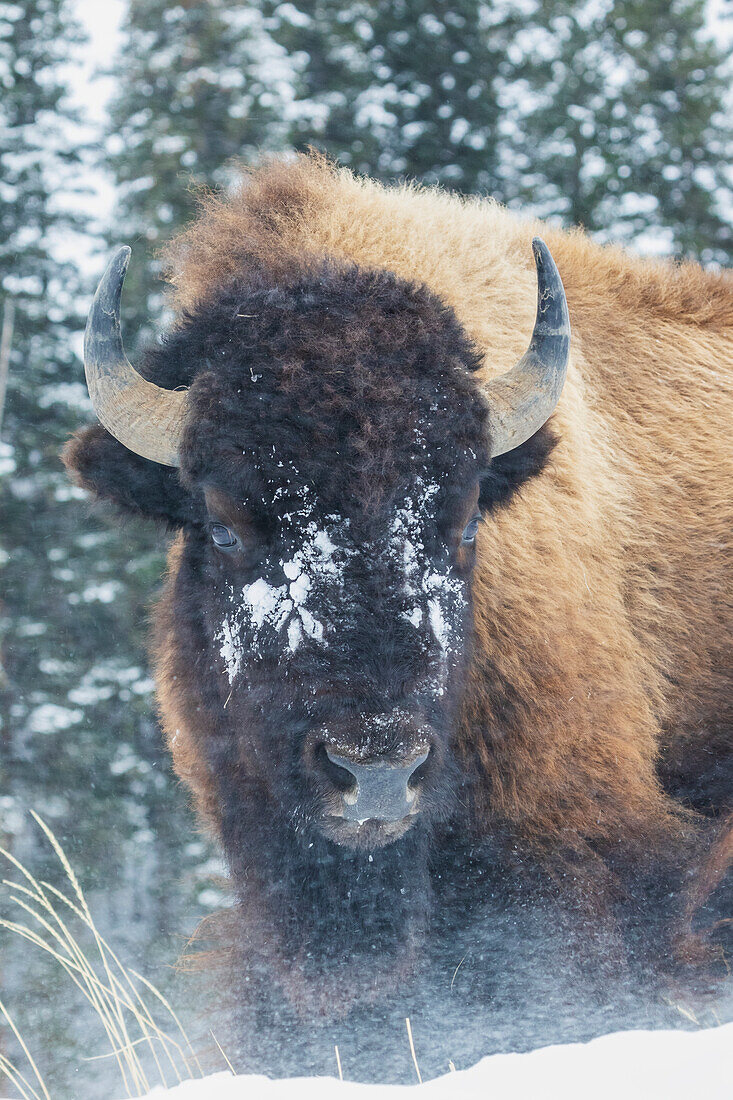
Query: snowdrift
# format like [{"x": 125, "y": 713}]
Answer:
[{"x": 628, "y": 1065}]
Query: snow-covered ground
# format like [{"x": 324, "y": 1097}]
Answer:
[{"x": 629, "y": 1065}]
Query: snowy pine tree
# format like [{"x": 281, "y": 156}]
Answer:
[
  {"x": 199, "y": 84},
  {"x": 607, "y": 115},
  {"x": 78, "y": 739},
  {"x": 627, "y": 135},
  {"x": 403, "y": 89},
  {"x": 42, "y": 373},
  {"x": 78, "y": 736}
]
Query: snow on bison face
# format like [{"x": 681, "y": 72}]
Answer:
[
  {"x": 337, "y": 446},
  {"x": 340, "y": 643},
  {"x": 330, "y": 440}
]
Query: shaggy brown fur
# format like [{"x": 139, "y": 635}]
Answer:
[
  {"x": 597, "y": 708},
  {"x": 615, "y": 645}
]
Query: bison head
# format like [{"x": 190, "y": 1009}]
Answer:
[{"x": 322, "y": 446}]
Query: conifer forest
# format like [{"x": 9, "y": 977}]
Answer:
[{"x": 614, "y": 115}]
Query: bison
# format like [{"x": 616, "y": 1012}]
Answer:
[{"x": 440, "y": 576}]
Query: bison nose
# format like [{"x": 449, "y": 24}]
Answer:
[{"x": 379, "y": 790}]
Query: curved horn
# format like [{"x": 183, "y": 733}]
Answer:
[
  {"x": 521, "y": 400},
  {"x": 145, "y": 418}
]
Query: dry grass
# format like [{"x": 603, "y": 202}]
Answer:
[
  {"x": 412, "y": 1049},
  {"x": 52, "y": 921},
  {"x": 121, "y": 998}
]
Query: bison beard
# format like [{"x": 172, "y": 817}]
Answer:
[
  {"x": 340, "y": 927},
  {"x": 334, "y": 404}
]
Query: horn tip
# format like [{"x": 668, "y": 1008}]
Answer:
[
  {"x": 121, "y": 258},
  {"x": 540, "y": 250}
]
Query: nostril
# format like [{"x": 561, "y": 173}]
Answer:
[
  {"x": 341, "y": 777},
  {"x": 420, "y": 768}
]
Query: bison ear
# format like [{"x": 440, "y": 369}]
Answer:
[
  {"x": 106, "y": 469},
  {"x": 508, "y": 472}
]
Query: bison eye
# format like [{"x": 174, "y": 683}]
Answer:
[
  {"x": 469, "y": 531},
  {"x": 223, "y": 537}
]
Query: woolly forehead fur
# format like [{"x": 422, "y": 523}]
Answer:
[
  {"x": 351, "y": 382},
  {"x": 472, "y": 253}
]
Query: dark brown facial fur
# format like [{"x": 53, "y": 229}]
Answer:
[{"x": 336, "y": 434}]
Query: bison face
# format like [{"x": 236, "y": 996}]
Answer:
[
  {"x": 336, "y": 642},
  {"x": 332, "y": 445}
]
